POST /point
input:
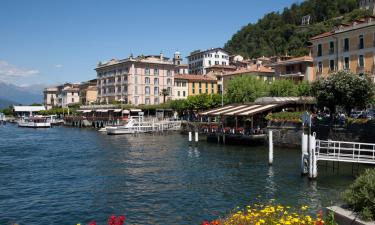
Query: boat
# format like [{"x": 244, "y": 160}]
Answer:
[
  {"x": 34, "y": 122},
  {"x": 135, "y": 125}
]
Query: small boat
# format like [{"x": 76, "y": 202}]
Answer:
[{"x": 34, "y": 122}]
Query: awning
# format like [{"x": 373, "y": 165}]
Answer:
[
  {"x": 86, "y": 111},
  {"x": 135, "y": 110},
  {"x": 102, "y": 110},
  {"x": 241, "y": 110},
  {"x": 125, "y": 111},
  {"x": 117, "y": 110}
]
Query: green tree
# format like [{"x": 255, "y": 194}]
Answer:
[
  {"x": 343, "y": 89},
  {"x": 283, "y": 88},
  {"x": 164, "y": 92},
  {"x": 245, "y": 89},
  {"x": 303, "y": 89}
]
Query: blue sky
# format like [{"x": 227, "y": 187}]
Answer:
[{"x": 51, "y": 41}]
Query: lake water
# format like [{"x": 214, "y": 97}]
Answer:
[{"x": 68, "y": 175}]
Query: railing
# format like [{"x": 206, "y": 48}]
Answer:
[{"x": 345, "y": 151}]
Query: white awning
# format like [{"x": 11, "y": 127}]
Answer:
[
  {"x": 102, "y": 110},
  {"x": 125, "y": 111},
  {"x": 241, "y": 110},
  {"x": 257, "y": 110},
  {"x": 21, "y": 108},
  {"x": 215, "y": 110},
  {"x": 86, "y": 111},
  {"x": 117, "y": 110},
  {"x": 223, "y": 111},
  {"x": 135, "y": 110}
]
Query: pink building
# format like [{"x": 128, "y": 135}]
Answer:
[{"x": 139, "y": 80}]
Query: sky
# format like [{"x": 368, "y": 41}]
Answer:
[{"x": 56, "y": 41}]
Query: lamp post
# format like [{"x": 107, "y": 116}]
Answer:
[{"x": 222, "y": 90}]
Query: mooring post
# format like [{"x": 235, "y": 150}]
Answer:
[
  {"x": 270, "y": 147},
  {"x": 196, "y": 136},
  {"x": 313, "y": 170},
  {"x": 190, "y": 136},
  {"x": 304, "y": 155}
]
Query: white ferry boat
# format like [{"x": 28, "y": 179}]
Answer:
[
  {"x": 34, "y": 122},
  {"x": 133, "y": 126}
]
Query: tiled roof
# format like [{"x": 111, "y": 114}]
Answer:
[
  {"x": 194, "y": 77},
  {"x": 295, "y": 60},
  {"x": 326, "y": 34},
  {"x": 221, "y": 66},
  {"x": 252, "y": 69}
]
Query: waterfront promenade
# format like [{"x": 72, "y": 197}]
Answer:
[{"x": 67, "y": 175}]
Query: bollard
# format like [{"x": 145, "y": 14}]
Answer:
[
  {"x": 304, "y": 156},
  {"x": 196, "y": 136},
  {"x": 270, "y": 147},
  {"x": 313, "y": 170},
  {"x": 190, "y": 136}
]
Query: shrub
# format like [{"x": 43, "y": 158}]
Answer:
[
  {"x": 285, "y": 117},
  {"x": 361, "y": 195}
]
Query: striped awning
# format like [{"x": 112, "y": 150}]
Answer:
[{"x": 241, "y": 110}]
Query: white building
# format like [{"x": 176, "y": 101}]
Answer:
[
  {"x": 199, "y": 60},
  {"x": 69, "y": 95},
  {"x": 368, "y": 5},
  {"x": 50, "y": 97}
]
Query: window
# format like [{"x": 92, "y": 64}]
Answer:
[
  {"x": 206, "y": 88},
  {"x": 216, "y": 62},
  {"x": 209, "y": 62},
  {"x": 183, "y": 84},
  {"x": 147, "y": 90},
  {"x": 147, "y": 80},
  {"x": 136, "y": 80},
  {"x": 193, "y": 88},
  {"x": 156, "y": 91},
  {"x": 136, "y": 90},
  {"x": 332, "y": 65},
  {"x": 319, "y": 50},
  {"x": 169, "y": 90},
  {"x": 156, "y": 71},
  {"x": 200, "y": 88},
  {"x": 216, "y": 56},
  {"x": 212, "y": 87},
  {"x": 331, "y": 47},
  {"x": 361, "y": 61},
  {"x": 169, "y": 81},
  {"x": 169, "y": 73},
  {"x": 320, "y": 67},
  {"x": 178, "y": 93},
  {"x": 147, "y": 71},
  {"x": 156, "y": 81},
  {"x": 118, "y": 89},
  {"x": 361, "y": 42},
  {"x": 156, "y": 100},
  {"x": 147, "y": 101},
  {"x": 346, "y": 63},
  {"x": 183, "y": 93},
  {"x": 72, "y": 99},
  {"x": 346, "y": 44}
]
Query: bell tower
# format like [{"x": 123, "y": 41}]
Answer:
[{"x": 177, "y": 58}]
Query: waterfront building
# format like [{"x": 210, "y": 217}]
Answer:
[
  {"x": 88, "y": 92},
  {"x": 180, "y": 68},
  {"x": 367, "y": 5},
  {"x": 138, "y": 80},
  {"x": 199, "y": 60},
  {"x": 191, "y": 84},
  {"x": 50, "y": 99},
  {"x": 257, "y": 70},
  {"x": 297, "y": 69},
  {"x": 68, "y": 94},
  {"x": 349, "y": 47},
  {"x": 22, "y": 110}
]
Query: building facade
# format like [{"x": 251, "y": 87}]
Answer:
[
  {"x": 199, "y": 60},
  {"x": 68, "y": 94},
  {"x": 50, "y": 99},
  {"x": 349, "y": 47},
  {"x": 88, "y": 92},
  {"x": 139, "y": 80},
  {"x": 190, "y": 84},
  {"x": 297, "y": 69},
  {"x": 367, "y": 5}
]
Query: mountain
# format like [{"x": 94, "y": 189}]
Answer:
[
  {"x": 5, "y": 103},
  {"x": 21, "y": 94},
  {"x": 280, "y": 33}
]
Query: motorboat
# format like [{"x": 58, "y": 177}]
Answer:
[{"x": 34, "y": 122}]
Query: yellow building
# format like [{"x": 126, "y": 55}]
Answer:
[
  {"x": 88, "y": 92},
  {"x": 349, "y": 47},
  {"x": 186, "y": 85}
]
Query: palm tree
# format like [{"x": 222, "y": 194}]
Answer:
[{"x": 165, "y": 93}]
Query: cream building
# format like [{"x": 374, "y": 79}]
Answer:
[{"x": 348, "y": 47}]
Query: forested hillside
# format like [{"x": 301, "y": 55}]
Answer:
[{"x": 280, "y": 33}]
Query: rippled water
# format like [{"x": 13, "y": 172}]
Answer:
[{"x": 68, "y": 175}]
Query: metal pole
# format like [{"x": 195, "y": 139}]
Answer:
[
  {"x": 270, "y": 147},
  {"x": 222, "y": 90}
]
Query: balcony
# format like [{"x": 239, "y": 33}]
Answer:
[{"x": 292, "y": 74}]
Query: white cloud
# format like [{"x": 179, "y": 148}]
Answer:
[
  {"x": 9, "y": 71},
  {"x": 58, "y": 65}
]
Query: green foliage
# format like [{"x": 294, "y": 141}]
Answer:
[
  {"x": 53, "y": 111},
  {"x": 7, "y": 111},
  {"x": 284, "y": 117},
  {"x": 281, "y": 33},
  {"x": 283, "y": 88},
  {"x": 303, "y": 89},
  {"x": 245, "y": 89},
  {"x": 343, "y": 89},
  {"x": 361, "y": 195},
  {"x": 196, "y": 102}
]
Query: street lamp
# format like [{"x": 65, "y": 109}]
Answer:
[{"x": 222, "y": 90}]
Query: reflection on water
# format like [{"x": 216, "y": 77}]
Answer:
[{"x": 67, "y": 175}]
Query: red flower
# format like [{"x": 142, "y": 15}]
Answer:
[
  {"x": 92, "y": 222},
  {"x": 120, "y": 220},
  {"x": 112, "y": 220},
  {"x": 205, "y": 222}
]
